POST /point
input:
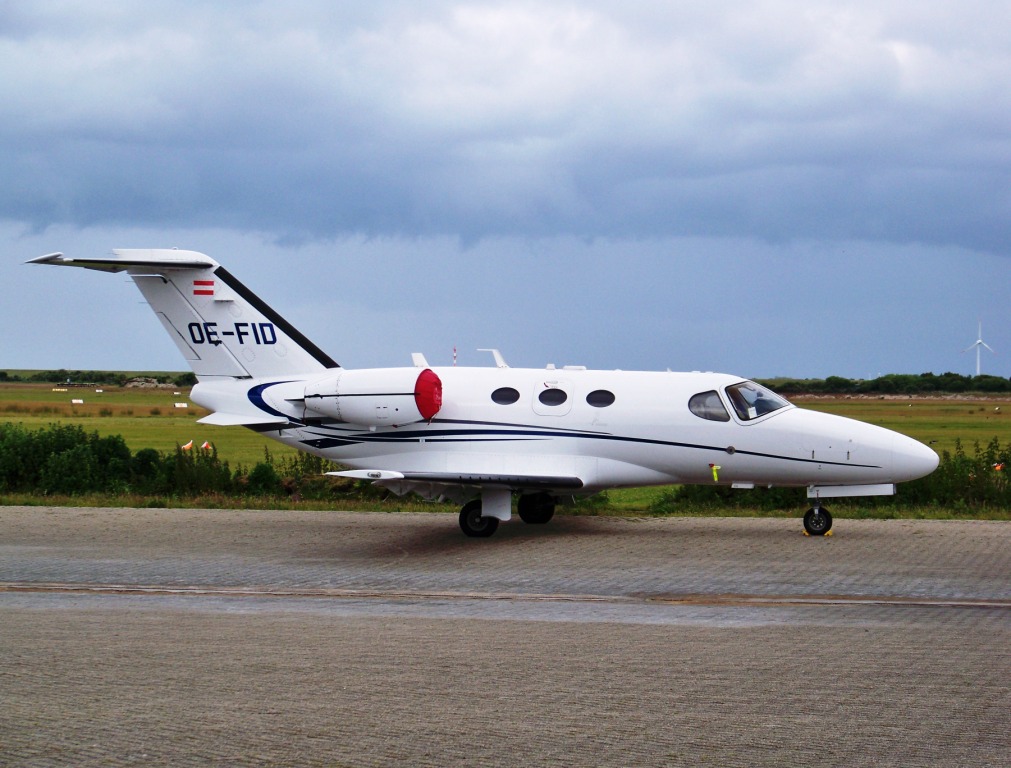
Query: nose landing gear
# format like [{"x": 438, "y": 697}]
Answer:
[{"x": 817, "y": 521}]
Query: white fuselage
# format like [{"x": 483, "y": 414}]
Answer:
[
  {"x": 635, "y": 429},
  {"x": 491, "y": 432}
]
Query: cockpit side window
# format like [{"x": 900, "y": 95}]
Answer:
[
  {"x": 707, "y": 405},
  {"x": 751, "y": 400}
]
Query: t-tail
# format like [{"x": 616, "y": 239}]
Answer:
[{"x": 222, "y": 328}]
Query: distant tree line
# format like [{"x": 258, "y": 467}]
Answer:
[
  {"x": 107, "y": 378},
  {"x": 892, "y": 383}
]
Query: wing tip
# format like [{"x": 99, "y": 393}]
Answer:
[{"x": 49, "y": 258}]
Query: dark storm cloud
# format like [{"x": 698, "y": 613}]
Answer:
[{"x": 770, "y": 120}]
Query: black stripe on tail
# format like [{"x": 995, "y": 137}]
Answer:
[{"x": 293, "y": 333}]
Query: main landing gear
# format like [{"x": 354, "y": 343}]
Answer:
[
  {"x": 533, "y": 509},
  {"x": 473, "y": 524},
  {"x": 817, "y": 521},
  {"x": 536, "y": 508}
]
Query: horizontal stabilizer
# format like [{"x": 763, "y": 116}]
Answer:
[{"x": 155, "y": 260}]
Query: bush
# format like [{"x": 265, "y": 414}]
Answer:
[
  {"x": 70, "y": 472},
  {"x": 263, "y": 480},
  {"x": 962, "y": 481},
  {"x": 195, "y": 472},
  {"x": 145, "y": 469},
  {"x": 687, "y": 498},
  {"x": 65, "y": 459}
]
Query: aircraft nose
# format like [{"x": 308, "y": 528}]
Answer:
[{"x": 911, "y": 459}]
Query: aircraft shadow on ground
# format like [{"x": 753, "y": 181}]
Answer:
[{"x": 439, "y": 537}]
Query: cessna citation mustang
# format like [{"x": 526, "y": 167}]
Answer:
[{"x": 479, "y": 435}]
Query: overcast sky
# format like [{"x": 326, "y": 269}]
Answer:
[{"x": 762, "y": 188}]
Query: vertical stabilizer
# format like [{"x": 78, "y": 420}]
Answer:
[{"x": 220, "y": 326}]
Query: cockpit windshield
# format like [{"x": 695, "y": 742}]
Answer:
[{"x": 751, "y": 400}]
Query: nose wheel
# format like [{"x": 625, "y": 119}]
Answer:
[{"x": 817, "y": 521}]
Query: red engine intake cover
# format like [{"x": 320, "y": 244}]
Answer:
[{"x": 428, "y": 393}]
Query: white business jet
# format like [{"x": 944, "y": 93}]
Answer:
[{"x": 479, "y": 435}]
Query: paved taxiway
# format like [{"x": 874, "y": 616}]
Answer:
[{"x": 178, "y": 637}]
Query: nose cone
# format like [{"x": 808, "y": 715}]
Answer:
[
  {"x": 853, "y": 452},
  {"x": 911, "y": 459}
]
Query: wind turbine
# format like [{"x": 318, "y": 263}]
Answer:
[{"x": 979, "y": 343}]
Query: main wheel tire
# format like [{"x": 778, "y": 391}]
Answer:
[
  {"x": 536, "y": 508},
  {"x": 817, "y": 521},
  {"x": 474, "y": 524}
]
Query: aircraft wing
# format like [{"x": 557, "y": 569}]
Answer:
[
  {"x": 220, "y": 419},
  {"x": 515, "y": 482}
]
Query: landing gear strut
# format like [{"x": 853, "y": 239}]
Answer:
[
  {"x": 473, "y": 524},
  {"x": 817, "y": 520}
]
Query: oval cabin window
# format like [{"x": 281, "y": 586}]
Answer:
[
  {"x": 600, "y": 398},
  {"x": 553, "y": 396},
  {"x": 505, "y": 396}
]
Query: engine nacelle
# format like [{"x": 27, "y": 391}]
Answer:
[{"x": 377, "y": 396}]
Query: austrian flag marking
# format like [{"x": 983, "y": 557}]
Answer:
[{"x": 203, "y": 287}]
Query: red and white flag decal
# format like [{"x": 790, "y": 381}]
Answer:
[{"x": 203, "y": 287}]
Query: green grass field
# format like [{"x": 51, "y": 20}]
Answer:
[
  {"x": 936, "y": 422},
  {"x": 148, "y": 418}
]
